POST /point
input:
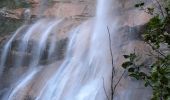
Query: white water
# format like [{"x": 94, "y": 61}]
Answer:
[
  {"x": 52, "y": 47},
  {"x": 40, "y": 30},
  {"x": 22, "y": 84},
  {"x": 6, "y": 50},
  {"x": 23, "y": 46},
  {"x": 81, "y": 75},
  {"x": 42, "y": 43},
  {"x": 86, "y": 66}
]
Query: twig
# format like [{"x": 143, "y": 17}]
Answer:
[
  {"x": 118, "y": 81},
  {"x": 155, "y": 49},
  {"x": 113, "y": 70},
  {"x": 160, "y": 7},
  {"x": 110, "y": 45},
  {"x": 105, "y": 90}
]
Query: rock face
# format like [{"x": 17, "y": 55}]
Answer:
[
  {"x": 129, "y": 41},
  {"x": 74, "y": 9}
]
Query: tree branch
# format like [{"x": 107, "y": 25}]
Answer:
[
  {"x": 118, "y": 81},
  {"x": 105, "y": 90},
  {"x": 155, "y": 49},
  {"x": 113, "y": 70},
  {"x": 160, "y": 8}
]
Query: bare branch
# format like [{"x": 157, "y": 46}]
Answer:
[
  {"x": 160, "y": 7},
  {"x": 118, "y": 82},
  {"x": 113, "y": 70},
  {"x": 105, "y": 90},
  {"x": 158, "y": 51}
]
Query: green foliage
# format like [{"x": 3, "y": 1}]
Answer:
[
  {"x": 141, "y": 4},
  {"x": 156, "y": 34},
  {"x": 8, "y": 25},
  {"x": 158, "y": 78},
  {"x": 12, "y": 4}
]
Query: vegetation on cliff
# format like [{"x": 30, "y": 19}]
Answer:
[
  {"x": 157, "y": 35},
  {"x": 13, "y": 4},
  {"x": 9, "y": 24}
]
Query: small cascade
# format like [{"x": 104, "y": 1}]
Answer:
[
  {"x": 6, "y": 50},
  {"x": 23, "y": 82},
  {"x": 38, "y": 34},
  {"x": 42, "y": 43},
  {"x": 23, "y": 46}
]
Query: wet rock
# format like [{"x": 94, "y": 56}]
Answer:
[{"x": 28, "y": 97}]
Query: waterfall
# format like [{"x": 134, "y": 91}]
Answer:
[
  {"x": 23, "y": 46},
  {"x": 39, "y": 32},
  {"x": 86, "y": 67},
  {"x": 81, "y": 75},
  {"x": 42, "y": 43},
  {"x": 23, "y": 83},
  {"x": 6, "y": 50},
  {"x": 86, "y": 70},
  {"x": 85, "y": 73}
]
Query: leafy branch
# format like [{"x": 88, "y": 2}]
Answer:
[{"x": 156, "y": 34}]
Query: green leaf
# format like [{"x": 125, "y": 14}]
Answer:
[
  {"x": 168, "y": 89},
  {"x": 155, "y": 22},
  {"x": 142, "y": 4},
  {"x": 132, "y": 57},
  {"x": 154, "y": 76},
  {"x": 131, "y": 69},
  {"x": 137, "y": 5},
  {"x": 126, "y": 56},
  {"x": 164, "y": 80},
  {"x": 150, "y": 10},
  {"x": 142, "y": 74},
  {"x": 146, "y": 83},
  {"x": 127, "y": 64},
  {"x": 136, "y": 76}
]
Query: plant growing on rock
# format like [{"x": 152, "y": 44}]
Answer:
[
  {"x": 8, "y": 23},
  {"x": 157, "y": 34},
  {"x": 12, "y": 4}
]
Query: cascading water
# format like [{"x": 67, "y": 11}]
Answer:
[
  {"x": 46, "y": 29},
  {"x": 23, "y": 46},
  {"x": 81, "y": 75},
  {"x": 6, "y": 50},
  {"x": 22, "y": 83},
  {"x": 84, "y": 74},
  {"x": 42, "y": 43},
  {"x": 87, "y": 62}
]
